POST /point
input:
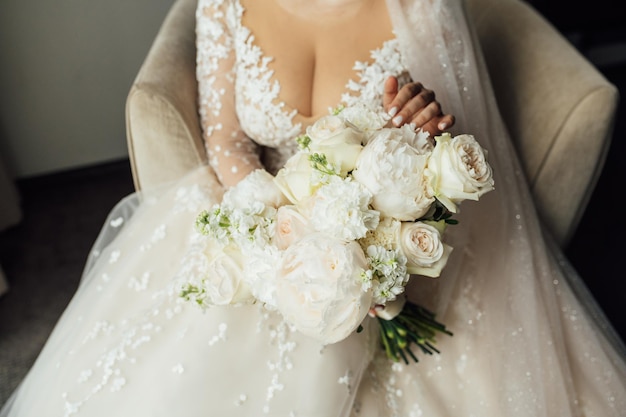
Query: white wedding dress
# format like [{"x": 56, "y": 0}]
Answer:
[{"x": 528, "y": 337}]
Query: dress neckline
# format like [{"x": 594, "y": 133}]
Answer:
[{"x": 295, "y": 115}]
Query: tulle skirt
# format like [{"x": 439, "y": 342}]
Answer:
[{"x": 528, "y": 338}]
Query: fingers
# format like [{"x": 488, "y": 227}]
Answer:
[
  {"x": 390, "y": 90},
  {"x": 415, "y": 104},
  {"x": 421, "y": 109},
  {"x": 445, "y": 123},
  {"x": 437, "y": 125},
  {"x": 409, "y": 99}
]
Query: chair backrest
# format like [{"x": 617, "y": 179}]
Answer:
[
  {"x": 558, "y": 108},
  {"x": 162, "y": 122}
]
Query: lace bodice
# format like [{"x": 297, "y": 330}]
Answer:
[{"x": 239, "y": 96}]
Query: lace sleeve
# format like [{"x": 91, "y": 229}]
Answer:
[{"x": 231, "y": 153}]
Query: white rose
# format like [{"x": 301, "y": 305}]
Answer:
[
  {"x": 425, "y": 251},
  {"x": 223, "y": 279},
  {"x": 318, "y": 287},
  {"x": 392, "y": 168},
  {"x": 294, "y": 179},
  {"x": 458, "y": 170},
  {"x": 291, "y": 226},
  {"x": 339, "y": 142},
  {"x": 258, "y": 186}
]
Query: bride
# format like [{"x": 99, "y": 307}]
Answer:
[{"x": 526, "y": 342}]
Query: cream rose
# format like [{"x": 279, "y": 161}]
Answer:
[
  {"x": 340, "y": 142},
  {"x": 458, "y": 170},
  {"x": 291, "y": 226},
  {"x": 391, "y": 167},
  {"x": 223, "y": 279},
  {"x": 294, "y": 179},
  {"x": 318, "y": 287},
  {"x": 426, "y": 253}
]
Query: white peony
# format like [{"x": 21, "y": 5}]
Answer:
[
  {"x": 318, "y": 287},
  {"x": 340, "y": 142},
  {"x": 259, "y": 273},
  {"x": 391, "y": 166},
  {"x": 458, "y": 170},
  {"x": 341, "y": 209},
  {"x": 425, "y": 251}
]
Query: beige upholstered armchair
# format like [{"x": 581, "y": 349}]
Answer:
[{"x": 558, "y": 108}]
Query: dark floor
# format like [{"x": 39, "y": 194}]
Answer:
[{"x": 44, "y": 255}]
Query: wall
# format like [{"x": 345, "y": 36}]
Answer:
[{"x": 65, "y": 69}]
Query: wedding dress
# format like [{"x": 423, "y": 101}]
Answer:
[{"x": 528, "y": 337}]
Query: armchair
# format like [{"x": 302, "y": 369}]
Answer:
[{"x": 558, "y": 108}]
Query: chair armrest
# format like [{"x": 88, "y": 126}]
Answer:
[
  {"x": 163, "y": 130},
  {"x": 559, "y": 109}
]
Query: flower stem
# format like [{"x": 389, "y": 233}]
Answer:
[{"x": 415, "y": 325}]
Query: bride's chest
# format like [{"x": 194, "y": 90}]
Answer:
[
  {"x": 288, "y": 74},
  {"x": 313, "y": 56}
]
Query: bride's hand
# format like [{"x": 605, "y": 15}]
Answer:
[{"x": 416, "y": 104}]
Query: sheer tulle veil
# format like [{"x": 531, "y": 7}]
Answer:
[{"x": 526, "y": 309}]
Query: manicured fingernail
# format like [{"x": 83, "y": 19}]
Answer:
[
  {"x": 397, "y": 120},
  {"x": 392, "y": 112},
  {"x": 443, "y": 126}
]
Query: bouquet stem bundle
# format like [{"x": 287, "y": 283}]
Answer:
[{"x": 415, "y": 325}]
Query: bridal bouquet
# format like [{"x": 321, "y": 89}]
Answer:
[{"x": 336, "y": 235}]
